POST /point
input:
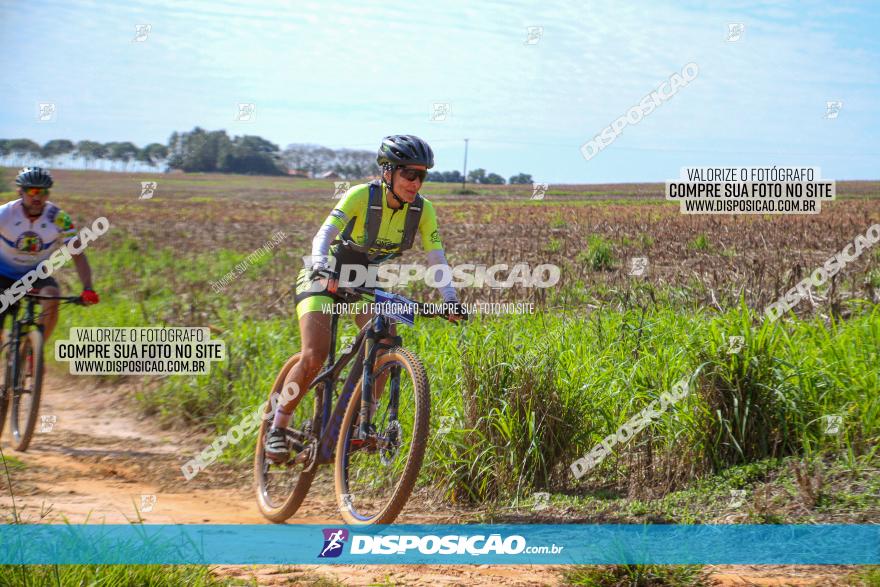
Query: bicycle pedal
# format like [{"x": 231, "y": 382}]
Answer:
[{"x": 293, "y": 444}]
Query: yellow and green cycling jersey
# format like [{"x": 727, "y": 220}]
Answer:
[{"x": 355, "y": 204}]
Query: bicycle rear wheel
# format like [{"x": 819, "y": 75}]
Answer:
[
  {"x": 281, "y": 489},
  {"x": 375, "y": 475},
  {"x": 26, "y": 403}
]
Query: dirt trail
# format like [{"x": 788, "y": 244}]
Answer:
[
  {"x": 97, "y": 461},
  {"x": 100, "y": 464}
]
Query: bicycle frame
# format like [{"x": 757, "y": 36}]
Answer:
[
  {"x": 18, "y": 328},
  {"x": 336, "y": 432},
  {"x": 14, "y": 365},
  {"x": 376, "y": 329},
  {"x": 321, "y": 450}
]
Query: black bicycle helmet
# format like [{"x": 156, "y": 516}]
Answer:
[
  {"x": 404, "y": 150},
  {"x": 33, "y": 177}
]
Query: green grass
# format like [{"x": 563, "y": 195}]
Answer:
[
  {"x": 599, "y": 255},
  {"x": 532, "y": 393},
  {"x": 110, "y": 576},
  {"x": 11, "y": 463},
  {"x": 635, "y": 576},
  {"x": 553, "y": 246},
  {"x": 515, "y": 424},
  {"x": 700, "y": 243},
  {"x": 558, "y": 222},
  {"x": 846, "y": 495},
  {"x": 588, "y": 378},
  {"x": 868, "y": 576}
]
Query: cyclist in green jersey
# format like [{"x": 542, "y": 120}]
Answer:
[{"x": 404, "y": 160}]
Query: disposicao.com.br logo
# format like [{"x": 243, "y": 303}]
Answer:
[
  {"x": 334, "y": 540},
  {"x": 452, "y": 544}
]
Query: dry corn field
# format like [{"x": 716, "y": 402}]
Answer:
[{"x": 591, "y": 232}]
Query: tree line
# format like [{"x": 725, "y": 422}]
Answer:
[
  {"x": 200, "y": 150},
  {"x": 477, "y": 176},
  {"x": 20, "y": 152}
]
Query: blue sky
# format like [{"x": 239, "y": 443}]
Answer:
[{"x": 343, "y": 74}]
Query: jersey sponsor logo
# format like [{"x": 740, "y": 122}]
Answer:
[
  {"x": 435, "y": 236},
  {"x": 385, "y": 244},
  {"x": 63, "y": 222},
  {"x": 338, "y": 214},
  {"x": 29, "y": 242}
]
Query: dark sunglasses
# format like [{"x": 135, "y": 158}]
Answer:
[
  {"x": 412, "y": 174},
  {"x": 36, "y": 191}
]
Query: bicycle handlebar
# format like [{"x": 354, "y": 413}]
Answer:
[
  {"x": 423, "y": 308},
  {"x": 68, "y": 299}
]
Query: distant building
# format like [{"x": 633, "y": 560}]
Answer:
[
  {"x": 298, "y": 173},
  {"x": 328, "y": 175}
]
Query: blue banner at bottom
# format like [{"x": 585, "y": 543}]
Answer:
[{"x": 440, "y": 544}]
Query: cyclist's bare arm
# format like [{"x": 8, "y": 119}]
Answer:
[{"x": 83, "y": 269}]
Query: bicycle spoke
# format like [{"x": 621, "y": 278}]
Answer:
[
  {"x": 280, "y": 482},
  {"x": 374, "y": 465}
]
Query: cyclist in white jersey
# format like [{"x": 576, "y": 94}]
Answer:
[{"x": 31, "y": 229}]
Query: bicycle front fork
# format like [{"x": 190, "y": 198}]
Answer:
[
  {"x": 371, "y": 350},
  {"x": 367, "y": 383}
]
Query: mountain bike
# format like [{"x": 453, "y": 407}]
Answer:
[
  {"x": 377, "y": 456},
  {"x": 23, "y": 374}
]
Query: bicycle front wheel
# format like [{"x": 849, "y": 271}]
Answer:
[
  {"x": 375, "y": 475},
  {"x": 26, "y": 402}
]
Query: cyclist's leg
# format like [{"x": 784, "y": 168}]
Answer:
[
  {"x": 49, "y": 314},
  {"x": 314, "y": 330}
]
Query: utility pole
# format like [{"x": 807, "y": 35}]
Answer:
[{"x": 464, "y": 173}]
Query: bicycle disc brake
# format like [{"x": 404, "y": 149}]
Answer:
[{"x": 389, "y": 443}]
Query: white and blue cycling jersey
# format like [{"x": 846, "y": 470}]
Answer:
[{"x": 25, "y": 243}]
